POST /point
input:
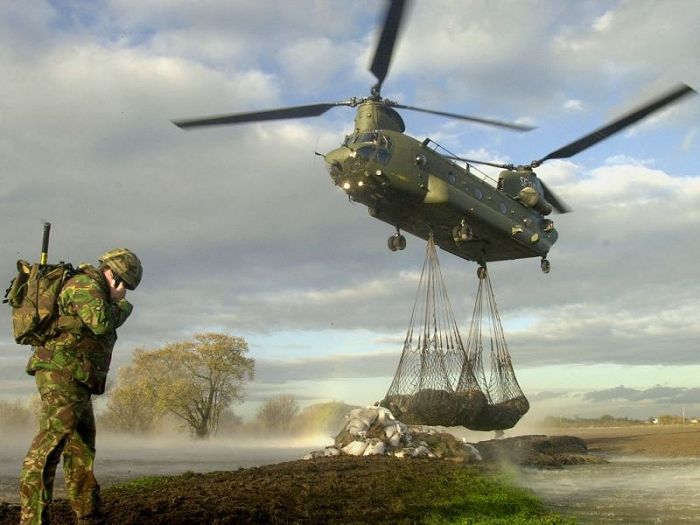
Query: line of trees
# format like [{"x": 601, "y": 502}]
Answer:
[{"x": 196, "y": 383}]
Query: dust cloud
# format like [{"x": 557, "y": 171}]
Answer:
[{"x": 124, "y": 457}]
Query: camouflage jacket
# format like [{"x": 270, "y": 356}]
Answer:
[{"x": 87, "y": 322}]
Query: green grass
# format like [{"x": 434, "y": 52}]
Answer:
[
  {"x": 144, "y": 483},
  {"x": 474, "y": 496}
]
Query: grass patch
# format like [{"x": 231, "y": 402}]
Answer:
[
  {"x": 144, "y": 483},
  {"x": 473, "y": 496}
]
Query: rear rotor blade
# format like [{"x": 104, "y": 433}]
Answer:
[
  {"x": 311, "y": 110},
  {"x": 489, "y": 122},
  {"x": 385, "y": 47},
  {"x": 621, "y": 123}
]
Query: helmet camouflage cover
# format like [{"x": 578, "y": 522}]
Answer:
[{"x": 125, "y": 265}]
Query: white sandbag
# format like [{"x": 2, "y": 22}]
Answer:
[
  {"x": 366, "y": 415},
  {"x": 384, "y": 415},
  {"x": 355, "y": 426},
  {"x": 395, "y": 440},
  {"x": 331, "y": 451},
  {"x": 314, "y": 454},
  {"x": 356, "y": 448},
  {"x": 474, "y": 451},
  {"x": 375, "y": 448},
  {"x": 393, "y": 432},
  {"x": 421, "y": 451}
]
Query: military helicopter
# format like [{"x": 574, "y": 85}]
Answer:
[{"x": 421, "y": 188}]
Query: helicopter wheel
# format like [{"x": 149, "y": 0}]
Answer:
[
  {"x": 545, "y": 266},
  {"x": 396, "y": 242}
]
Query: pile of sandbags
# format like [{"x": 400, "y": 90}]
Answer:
[{"x": 375, "y": 431}]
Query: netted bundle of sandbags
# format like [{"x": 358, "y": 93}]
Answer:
[
  {"x": 422, "y": 391},
  {"x": 491, "y": 372},
  {"x": 440, "y": 381},
  {"x": 437, "y": 407},
  {"x": 500, "y": 416}
]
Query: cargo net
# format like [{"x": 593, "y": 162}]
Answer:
[
  {"x": 505, "y": 402},
  {"x": 438, "y": 381},
  {"x": 422, "y": 392}
]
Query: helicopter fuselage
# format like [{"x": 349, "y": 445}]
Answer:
[{"x": 411, "y": 186}]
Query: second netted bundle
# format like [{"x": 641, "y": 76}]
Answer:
[{"x": 506, "y": 403}]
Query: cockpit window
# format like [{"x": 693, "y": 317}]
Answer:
[
  {"x": 365, "y": 152},
  {"x": 370, "y": 136}
]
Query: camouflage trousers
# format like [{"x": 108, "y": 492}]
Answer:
[{"x": 67, "y": 426}]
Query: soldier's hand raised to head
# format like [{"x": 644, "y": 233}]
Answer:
[{"x": 116, "y": 290}]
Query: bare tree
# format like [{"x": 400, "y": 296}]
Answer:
[{"x": 278, "y": 412}]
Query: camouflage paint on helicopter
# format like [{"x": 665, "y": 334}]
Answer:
[{"x": 410, "y": 185}]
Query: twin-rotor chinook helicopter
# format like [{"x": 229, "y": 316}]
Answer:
[{"x": 423, "y": 189}]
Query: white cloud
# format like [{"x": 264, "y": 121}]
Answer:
[{"x": 573, "y": 104}]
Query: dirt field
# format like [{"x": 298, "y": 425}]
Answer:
[
  {"x": 331, "y": 490},
  {"x": 667, "y": 441}
]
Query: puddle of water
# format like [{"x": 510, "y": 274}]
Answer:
[{"x": 626, "y": 490}]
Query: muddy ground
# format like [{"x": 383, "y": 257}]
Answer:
[{"x": 330, "y": 490}]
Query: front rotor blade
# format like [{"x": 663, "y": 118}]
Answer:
[
  {"x": 489, "y": 122},
  {"x": 385, "y": 48},
  {"x": 552, "y": 199},
  {"x": 626, "y": 120},
  {"x": 311, "y": 110}
]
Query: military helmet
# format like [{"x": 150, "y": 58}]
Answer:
[{"x": 125, "y": 265}]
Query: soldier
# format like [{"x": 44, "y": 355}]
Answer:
[{"x": 68, "y": 369}]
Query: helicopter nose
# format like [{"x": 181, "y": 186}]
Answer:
[
  {"x": 335, "y": 160},
  {"x": 346, "y": 170}
]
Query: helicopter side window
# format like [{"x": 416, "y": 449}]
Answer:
[
  {"x": 451, "y": 178},
  {"x": 479, "y": 194}
]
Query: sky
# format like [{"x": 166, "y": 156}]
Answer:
[{"x": 241, "y": 230}]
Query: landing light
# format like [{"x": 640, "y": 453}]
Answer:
[
  {"x": 360, "y": 184},
  {"x": 346, "y": 185}
]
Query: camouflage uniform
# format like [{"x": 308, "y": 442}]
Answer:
[{"x": 68, "y": 369}]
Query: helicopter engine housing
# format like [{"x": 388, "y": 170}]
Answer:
[{"x": 524, "y": 186}]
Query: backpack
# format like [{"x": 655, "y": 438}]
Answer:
[{"x": 33, "y": 296}]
